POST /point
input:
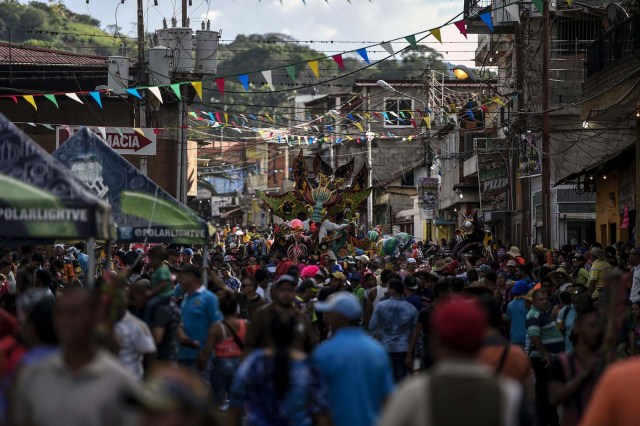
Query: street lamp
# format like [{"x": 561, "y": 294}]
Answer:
[{"x": 462, "y": 73}]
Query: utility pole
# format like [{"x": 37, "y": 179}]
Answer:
[
  {"x": 182, "y": 133},
  {"x": 370, "y": 137},
  {"x": 519, "y": 131},
  {"x": 141, "y": 113},
  {"x": 546, "y": 144}
]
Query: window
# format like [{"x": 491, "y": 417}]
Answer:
[
  {"x": 407, "y": 179},
  {"x": 398, "y": 112}
]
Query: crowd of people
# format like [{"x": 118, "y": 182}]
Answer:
[{"x": 175, "y": 335}]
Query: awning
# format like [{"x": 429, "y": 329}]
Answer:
[
  {"x": 141, "y": 209},
  {"x": 40, "y": 198},
  {"x": 605, "y": 163}
]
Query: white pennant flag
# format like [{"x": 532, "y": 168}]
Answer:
[
  {"x": 156, "y": 92},
  {"x": 103, "y": 132},
  {"x": 268, "y": 78},
  {"x": 387, "y": 46},
  {"x": 513, "y": 10},
  {"x": 74, "y": 97}
]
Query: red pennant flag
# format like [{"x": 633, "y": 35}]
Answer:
[
  {"x": 157, "y": 131},
  {"x": 218, "y": 118},
  {"x": 376, "y": 115},
  {"x": 462, "y": 27},
  {"x": 413, "y": 122},
  {"x": 15, "y": 99},
  {"x": 220, "y": 84},
  {"x": 339, "y": 60}
]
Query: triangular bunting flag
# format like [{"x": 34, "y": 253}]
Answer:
[
  {"x": 244, "y": 80},
  {"x": 134, "y": 93},
  {"x": 74, "y": 97},
  {"x": 29, "y": 98},
  {"x": 486, "y": 18},
  {"x": 103, "y": 132},
  {"x": 226, "y": 118},
  {"x": 436, "y": 34},
  {"x": 291, "y": 70},
  {"x": 363, "y": 52},
  {"x": 268, "y": 78},
  {"x": 96, "y": 97},
  {"x": 339, "y": 60},
  {"x": 139, "y": 131},
  {"x": 389, "y": 48},
  {"x": 314, "y": 68},
  {"x": 413, "y": 122},
  {"x": 197, "y": 85},
  {"x": 48, "y": 126},
  {"x": 53, "y": 99},
  {"x": 119, "y": 130},
  {"x": 513, "y": 10},
  {"x": 220, "y": 84},
  {"x": 462, "y": 27},
  {"x": 15, "y": 99},
  {"x": 155, "y": 90},
  {"x": 412, "y": 41},
  {"x": 359, "y": 126},
  {"x": 537, "y": 4},
  {"x": 176, "y": 89},
  {"x": 569, "y": 2},
  {"x": 498, "y": 101},
  {"x": 427, "y": 121}
]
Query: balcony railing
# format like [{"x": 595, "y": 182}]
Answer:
[
  {"x": 473, "y": 8},
  {"x": 621, "y": 42}
]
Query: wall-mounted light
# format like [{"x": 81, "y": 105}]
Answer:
[
  {"x": 604, "y": 177},
  {"x": 585, "y": 124},
  {"x": 460, "y": 194}
]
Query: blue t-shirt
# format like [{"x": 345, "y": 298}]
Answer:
[
  {"x": 199, "y": 311},
  {"x": 392, "y": 322},
  {"x": 517, "y": 314},
  {"x": 83, "y": 261},
  {"x": 254, "y": 388},
  {"x": 358, "y": 373}
]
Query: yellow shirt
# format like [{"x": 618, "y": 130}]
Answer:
[{"x": 599, "y": 269}]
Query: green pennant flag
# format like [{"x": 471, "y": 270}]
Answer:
[
  {"x": 291, "y": 70},
  {"x": 53, "y": 99},
  {"x": 537, "y": 4},
  {"x": 176, "y": 89},
  {"x": 412, "y": 41}
]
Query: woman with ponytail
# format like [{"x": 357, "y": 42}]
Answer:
[{"x": 278, "y": 385}]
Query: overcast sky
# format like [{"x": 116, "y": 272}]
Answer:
[{"x": 362, "y": 21}]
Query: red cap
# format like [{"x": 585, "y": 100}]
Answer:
[{"x": 460, "y": 324}]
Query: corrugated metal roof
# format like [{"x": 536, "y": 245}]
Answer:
[{"x": 26, "y": 55}]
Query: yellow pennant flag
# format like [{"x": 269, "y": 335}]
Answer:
[
  {"x": 427, "y": 121},
  {"x": 139, "y": 131},
  {"x": 570, "y": 2},
  {"x": 29, "y": 98},
  {"x": 498, "y": 101},
  {"x": 314, "y": 68},
  {"x": 226, "y": 118},
  {"x": 197, "y": 85},
  {"x": 359, "y": 126},
  {"x": 436, "y": 34}
]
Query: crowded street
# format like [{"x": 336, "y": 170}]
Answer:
[{"x": 319, "y": 213}]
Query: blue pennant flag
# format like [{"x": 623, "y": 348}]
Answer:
[
  {"x": 351, "y": 117},
  {"x": 212, "y": 117},
  {"x": 486, "y": 18},
  {"x": 363, "y": 52},
  {"x": 134, "y": 92},
  {"x": 470, "y": 114},
  {"x": 244, "y": 79},
  {"x": 96, "y": 97}
]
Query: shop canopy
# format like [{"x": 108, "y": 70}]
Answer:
[
  {"x": 40, "y": 199},
  {"x": 141, "y": 210}
]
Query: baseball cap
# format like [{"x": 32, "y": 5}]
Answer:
[
  {"x": 512, "y": 263},
  {"x": 363, "y": 258},
  {"x": 483, "y": 268},
  {"x": 411, "y": 260},
  {"x": 337, "y": 268},
  {"x": 59, "y": 246},
  {"x": 343, "y": 303},
  {"x": 187, "y": 251},
  {"x": 309, "y": 284},
  {"x": 339, "y": 275},
  {"x": 460, "y": 324},
  {"x": 287, "y": 279}
]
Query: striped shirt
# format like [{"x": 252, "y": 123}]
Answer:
[{"x": 540, "y": 324}]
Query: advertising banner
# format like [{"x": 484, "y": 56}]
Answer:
[
  {"x": 530, "y": 155},
  {"x": 493, "y": 177}
]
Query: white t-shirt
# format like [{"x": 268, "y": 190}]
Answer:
[
  {"x": 11, "y": 283},
  {"x": 136, "y": 341},
  {"x": 635, "y": 286}
]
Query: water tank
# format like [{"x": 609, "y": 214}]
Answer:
[
  {"x": 159, "y": 65},
  {"x": 118, "y": 80},
  {"x": 179, "y": 40},
  {"x": 207, "y": 43}
]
